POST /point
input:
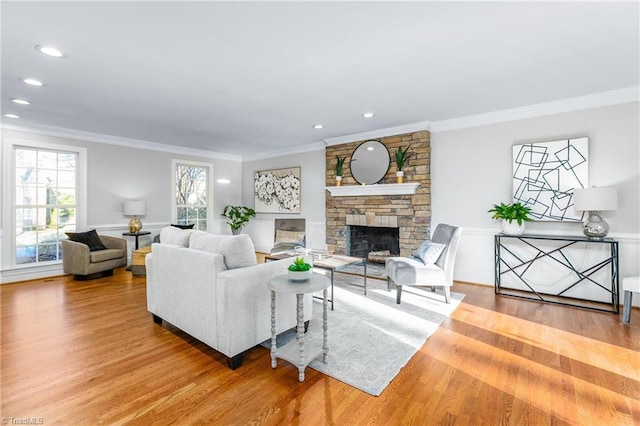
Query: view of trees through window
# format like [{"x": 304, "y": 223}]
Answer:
[
  {"x": 45, "y": 202},
  {"x": 192, "y": 195}
]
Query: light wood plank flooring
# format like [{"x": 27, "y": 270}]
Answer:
[{"x": 88, "y": 353}]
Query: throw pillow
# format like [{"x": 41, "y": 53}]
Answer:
[
  {"x": 238, "y": 250},
  {"x": 177, "y": 225},
  {"x": 175, "y": 236},
  {"x": 429, "y": 252},
  {"x": 295, "y": 237},
  {"x": 89, "y": 238}
]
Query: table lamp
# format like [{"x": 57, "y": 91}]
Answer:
[
  {"x": 135, "y": 208},
  {"x": 594, "y": 200}
]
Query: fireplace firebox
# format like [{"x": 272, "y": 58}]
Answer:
[{"x": 362, "y": 240}]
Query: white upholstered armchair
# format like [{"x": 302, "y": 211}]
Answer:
[{"x": 431, "y": 266}]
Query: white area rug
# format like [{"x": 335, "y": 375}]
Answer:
[{"x": 371, "y": 337}]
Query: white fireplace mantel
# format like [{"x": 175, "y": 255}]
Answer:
[{"x": 377, "y": 189}]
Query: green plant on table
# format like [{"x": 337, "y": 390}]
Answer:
[
  {"x": 511, "y": 212},
  {"x": 299, "y": 265}
]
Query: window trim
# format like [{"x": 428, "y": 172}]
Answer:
[
  {"x": 174, "y": 207},
  {"x": 8, "y": 250}
]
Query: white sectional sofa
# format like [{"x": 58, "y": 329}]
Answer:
[{"x": 211, "y": 287}]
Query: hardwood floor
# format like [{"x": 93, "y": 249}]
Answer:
[{"x": 88, "y": 353}]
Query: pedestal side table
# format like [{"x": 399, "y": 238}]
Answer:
[{"x": 299, "y": 352}]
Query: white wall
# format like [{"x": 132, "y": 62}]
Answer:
[
  {"x": 116, "y": 173},
  {"x": 471, "y": 170},
  {"x": 312, "y": 164}
]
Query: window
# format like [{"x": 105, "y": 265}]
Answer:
[
  {"x": 192, "y": 193},
  {"x": 45, "y": 204}
]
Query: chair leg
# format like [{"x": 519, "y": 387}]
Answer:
[
  {"x": 433, "y": 288},
  {"x": 447, "y": 294},
  {"x": 399, "y": 294},
  {"x": 626, "y": 312},
  {"x": 388, "y": 284}
]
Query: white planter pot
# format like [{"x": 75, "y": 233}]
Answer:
[
  {"x": 299, "y": 276},
  {"x": 512, "y": 228}
]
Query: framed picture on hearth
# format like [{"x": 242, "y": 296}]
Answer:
[
  {"x": 545, "y": 175},
  {"x": 277, "y": 191}
]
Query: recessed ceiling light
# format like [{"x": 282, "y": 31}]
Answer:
[
  {"x": 11, "y": 115},
  {"x": 318, "y": 126},
  {"x": 50, "y": 51},
  {"x": 368, "y": 115},
  {"x": 223, "y": 181},
  {"x": 20, "y": 101},
  {"x": 32, "y": 82}
]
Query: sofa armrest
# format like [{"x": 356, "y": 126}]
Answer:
[
  {"x": 75, "y": 257},
  {"x": 243, "y": 306},
  {"x": 114, "y": 242},
  {"x": 181, "y": 289}
]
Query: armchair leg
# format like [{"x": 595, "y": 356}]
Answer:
[
  {"x": 447, "y": 294},
  {"x": 398, "y": 294},
  {"x": 388, "y": 284}
]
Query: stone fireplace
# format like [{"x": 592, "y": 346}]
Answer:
[{"x": 409, "y": 214}]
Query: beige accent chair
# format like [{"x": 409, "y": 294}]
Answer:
[{"x": 85, "y": 265}]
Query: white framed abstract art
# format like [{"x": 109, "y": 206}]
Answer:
[
  {"x": 545, "y": 174},
  {"x": 277, "y": 191}
]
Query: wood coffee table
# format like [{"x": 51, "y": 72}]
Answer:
[{"x": 334, "y": 264}]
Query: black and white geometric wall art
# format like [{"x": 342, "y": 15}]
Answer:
[{"x": 545, "y": 174}]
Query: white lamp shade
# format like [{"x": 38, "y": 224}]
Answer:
[
  {"x": 135, "y": 208},
  {"x": 595, "y": 199}
]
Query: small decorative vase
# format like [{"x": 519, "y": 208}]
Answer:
[
  {"x": 512, "y": 228},
  {"x": 299, "y": 275},
  {"x": 338, "y": 180},
  {"x": 399, "y": 176},
  {"x": 236, "y": 231}
]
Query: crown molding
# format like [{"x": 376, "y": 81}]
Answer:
[
  {"x": 380, "y": 133},
  {"x": 62, "y": 132},
  {"x": 612, "y": 97},
  {"x": 316, "y": 146}
]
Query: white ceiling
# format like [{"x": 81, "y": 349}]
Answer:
[{"x": 245, "y": 78}]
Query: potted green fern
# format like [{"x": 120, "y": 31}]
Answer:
[
  {"x": 513, "y": 216},
  {"x": 402, "y": 157},
  {"x": 237, "y": 217}
]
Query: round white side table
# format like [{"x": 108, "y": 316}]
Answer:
[{"x": 296, "y": 352}]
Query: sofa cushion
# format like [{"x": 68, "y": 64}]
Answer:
[
  {"x": 175, "y": 236},
  {"x": 89, "y": 238},
  {"x": 238, "y": 250},
  {"x": 106, "y": 254}
]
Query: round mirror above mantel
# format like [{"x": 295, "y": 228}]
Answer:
[{"x": 370, "y": 162}]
